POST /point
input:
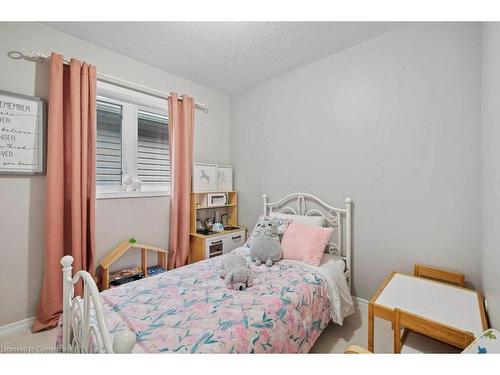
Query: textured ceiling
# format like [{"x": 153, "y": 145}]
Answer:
[{"x": 227, "y": 56}]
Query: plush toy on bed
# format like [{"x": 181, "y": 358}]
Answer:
[
  {"x": 235, "y": 271},
  {"x": 265, "y": 246}
]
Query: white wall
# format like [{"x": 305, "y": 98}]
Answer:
[
  {"x": 490, "y": 275},
  {"x": 393, "y": 122},
  {"x": 22, "y": 207}
]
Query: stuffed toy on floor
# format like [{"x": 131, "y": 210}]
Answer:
[
  {"x": 265, "y": 246},
  {"x": 235, "y": 271}
]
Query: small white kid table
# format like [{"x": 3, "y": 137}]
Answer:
[{"x": 427, "y": 304}]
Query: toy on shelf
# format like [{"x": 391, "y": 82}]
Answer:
[{"x": 123, "y": 276}]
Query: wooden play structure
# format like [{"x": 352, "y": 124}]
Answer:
[{"x": 121, "y": 249}]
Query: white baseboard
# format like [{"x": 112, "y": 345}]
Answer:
[
  {"x": 360, "y": 302},
  {"x": 21, "y": 325}
]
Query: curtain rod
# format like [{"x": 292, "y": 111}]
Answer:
[{"x": 37, "y": 56}]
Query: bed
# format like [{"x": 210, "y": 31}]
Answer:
[{"x": 190, "y": 310}]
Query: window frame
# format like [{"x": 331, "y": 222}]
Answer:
[{"x": 131, "y": 102}]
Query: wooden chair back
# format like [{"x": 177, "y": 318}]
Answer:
[
  {"x": 427, "y": 327},
  {"x": 455, "y": 278}
]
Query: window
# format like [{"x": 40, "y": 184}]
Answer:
[
  {"x": 153, "y": 154},
  {"x": 109, "y": 144},
  {"x": 132, "y": 153}
]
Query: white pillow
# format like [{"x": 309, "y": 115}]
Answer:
[{"x": 315, "y": 221}]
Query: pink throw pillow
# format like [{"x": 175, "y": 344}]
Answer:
[{"x": 305, "y": 242}]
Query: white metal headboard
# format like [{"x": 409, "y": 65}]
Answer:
[
  {"x": 337, "y": 218},
  {"x": 81, "y": 334}
]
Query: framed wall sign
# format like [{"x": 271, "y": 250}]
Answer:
[
  {"x": 224, "y": 178},
  {"x": 22, "y": 134},
  {"x": 204, "y": 177}
]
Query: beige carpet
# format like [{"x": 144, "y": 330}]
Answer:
[
  {"x": 335, "y": 339},
  {"x": 25, "y": 341}
]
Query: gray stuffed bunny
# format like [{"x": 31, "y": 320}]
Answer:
[
  {"x": 265, "y": 246},
  {"x": 235, "y": 271}
]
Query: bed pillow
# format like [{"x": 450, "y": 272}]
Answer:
[
  {"x": 305, "y": 242},
  {"x": 317, "y": 221}
]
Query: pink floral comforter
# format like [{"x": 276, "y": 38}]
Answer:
[{"x": 190, "y": 310}]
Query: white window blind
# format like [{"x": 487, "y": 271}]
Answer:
[
  {"x": 109, "y": 144},
  {"x": 153, "y": 151}
]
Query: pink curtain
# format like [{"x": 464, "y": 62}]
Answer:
[
  {"x": 70, "y": 196},
  {"x": 180, "y": 130}
]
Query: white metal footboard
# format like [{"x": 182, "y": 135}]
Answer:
[{"x": 81, "y": 334}]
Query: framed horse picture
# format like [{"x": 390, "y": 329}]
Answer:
[{"x": 204, "y": 177}]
